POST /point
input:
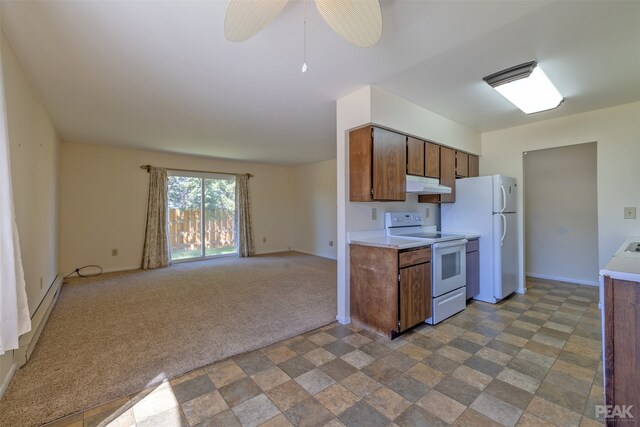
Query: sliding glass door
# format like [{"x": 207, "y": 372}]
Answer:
[{"x": 201, "y": 215}]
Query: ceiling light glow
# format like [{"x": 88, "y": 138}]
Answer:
[{"x": 527, "y": 87}]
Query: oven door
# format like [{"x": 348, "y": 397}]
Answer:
[{"x": 449, "y": 266}]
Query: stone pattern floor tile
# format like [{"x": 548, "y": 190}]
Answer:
[{"x": 530, "y": 360}]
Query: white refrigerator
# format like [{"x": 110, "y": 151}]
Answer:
[{"x": 486, "y": 205}]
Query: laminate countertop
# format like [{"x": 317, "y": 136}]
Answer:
[{"x": 624, "y": 265}]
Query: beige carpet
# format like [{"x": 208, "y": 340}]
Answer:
[{"x": 116, "y": 334}]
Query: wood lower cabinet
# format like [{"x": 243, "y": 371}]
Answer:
[
  {"x": 390, "y": 289},
  {"x": 377, "y": 165},
  {"x": 447, "y": 178},
  {"x": 413, "y": 295},
  {"x": 622, "y": 348},
  {"x": 473, "y": 268}
]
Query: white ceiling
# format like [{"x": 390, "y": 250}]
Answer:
[{"x": 160, "y": 75}]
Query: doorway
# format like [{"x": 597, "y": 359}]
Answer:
[{"x": 561, "y": 214}]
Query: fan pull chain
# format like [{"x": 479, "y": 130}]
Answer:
[{"x": 304, "y": 64}]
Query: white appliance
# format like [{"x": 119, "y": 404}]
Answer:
[
  {"x": 423, "y": 185},
  {"x": 448, "y": 263},
  {"x": 486, "y": 205}
]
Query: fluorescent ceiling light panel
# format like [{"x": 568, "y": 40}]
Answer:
[{"x": 527, "y": 87}]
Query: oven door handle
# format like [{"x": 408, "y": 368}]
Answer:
[{"x": 445, "y": 245}]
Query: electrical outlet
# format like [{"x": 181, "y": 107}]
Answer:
[
  {"x": 114, "y": 252},
  {"x": 330, "y": 242},
  {"x": 630, "y": 213},
  {"x": 264, "y": 240},
  {"x": 427, "y": 212},
  {"x": 374, "y": 214}
]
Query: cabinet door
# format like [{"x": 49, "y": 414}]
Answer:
[
  {"x": 447, "y": 178},
  {"x": 474, "y": 165},
  {"x": 389, "y": 165},
  {"x": 414, "y": 295},
  {"x": 462, "y": 164},
  {"x": 473, "y": 274},
  {"x": 415, "y": 157},
  {"x": 360, "y": 152},
  {"x": 431, "y": 160},
  {"x": 448, "y": 173}
]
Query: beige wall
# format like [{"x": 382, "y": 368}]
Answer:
[
  {"x": 561, "y": 213},
  {"x": 617, "y": 133},
  {"x": 104, "y": 197},
  {"x": 34, "y": 147},
  {"x": 316, "y": 215}
]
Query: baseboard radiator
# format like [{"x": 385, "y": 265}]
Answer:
[{"x": 28, "y": 341}]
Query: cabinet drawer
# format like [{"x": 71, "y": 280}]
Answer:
[
  {"x": 414, "y": 257},
  {"x": 473, "y": 245}
]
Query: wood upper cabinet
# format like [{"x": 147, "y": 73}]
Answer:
[
  {"x": 414, "y": 294},
  {"x": 462, "y": 164},
  {"x": 377, "y": 165},
  {"x": 474, "y": 165},
  {"x": 447, "y": 178},
  {"x": 431, "y": 160},
  {"x": 415, "y": 157}
]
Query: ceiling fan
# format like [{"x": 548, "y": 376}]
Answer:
[{"x": 357, "y": 21}]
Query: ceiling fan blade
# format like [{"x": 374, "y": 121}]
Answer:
[
  {"x": 244, "y": 18},
  {"x": 357, "y": 21}
]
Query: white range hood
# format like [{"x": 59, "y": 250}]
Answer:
[{"x": 423, "y": 185}]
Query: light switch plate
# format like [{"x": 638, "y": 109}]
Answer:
[{"x": 630, "y": 213}]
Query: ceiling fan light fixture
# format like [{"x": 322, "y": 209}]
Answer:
[
  {"x": 358, "y": 22},
  {"x": 244, "y": 18},
  {"x": 527, "y": 87}
]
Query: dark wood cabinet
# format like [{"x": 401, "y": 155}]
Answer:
[
  {"x": 622, "y": 348},
  {"x": 462, "y": 164},
  {"x": 415, "y": 157},
  {"x": 377, "y": 165},
  {"x": 431, "y": 160},
  {"x": 473, "y": 268},
  {"x": 447, "y": 178},
  {"x": 390, "y": 289},
  {"x": 414, "y": 295},
  {"x": 474, "y": 165}
]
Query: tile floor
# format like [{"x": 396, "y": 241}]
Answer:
[{"x": 533, "y": 360}]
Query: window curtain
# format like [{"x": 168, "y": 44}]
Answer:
[
  {"x": 155, "y": 253},
  {"x": 244, "y": 233},
  {"x": 14, "y": 310}
]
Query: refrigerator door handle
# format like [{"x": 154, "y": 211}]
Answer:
[
  {"x": 504, "y": 229},
  {"x": 504, "y": 198}
]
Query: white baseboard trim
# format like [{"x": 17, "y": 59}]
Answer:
[
  {"x": 311, "y": 253},
  {"x": 563, "y": 279},
  {"x": 113, "y": 270},
  {"x": 275, "y": 251},
  {"x": 343, "y": 320},
  {"x": 27, "y": 342},
  {"x": 7, "y": 379}
]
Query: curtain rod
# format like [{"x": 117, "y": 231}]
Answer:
[{"x": 148, "y": 168}]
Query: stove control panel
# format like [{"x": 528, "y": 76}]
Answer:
[{"x": 403, "y": 219}]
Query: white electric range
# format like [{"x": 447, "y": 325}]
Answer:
[{"x": 449, "y": 273}]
